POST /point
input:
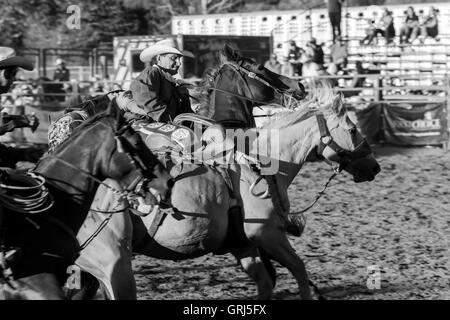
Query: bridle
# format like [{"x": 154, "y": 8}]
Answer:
[
  {"x": 286, "y": 94},
  {"x": 326, "y": 140},
  {"x": 345, "y": 156}
]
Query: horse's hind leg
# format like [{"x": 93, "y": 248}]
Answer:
[
  {"x": 43, "y": 286},
  {"x": 252, "y": 264},
  {"x": 276, "y": 244}
]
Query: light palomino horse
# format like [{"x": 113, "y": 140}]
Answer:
[{"x": 200, "y": 224}]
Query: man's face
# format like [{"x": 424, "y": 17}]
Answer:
[
  {"x": 169, "y": 61},
  {"x": 7, "y": 77}
]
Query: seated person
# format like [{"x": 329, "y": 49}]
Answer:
[
  {"x": 384, "y": 27},
  {"x": 339, "y": 54},
  {"x": 429, "y": 25},
  {"x": 410, "y": 29},
  {"x": 370, "y": 32}
]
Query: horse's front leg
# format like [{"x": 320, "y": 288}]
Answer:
[
  {"x": 108, "y": 256},
  {"x": 275, "y": 242},
  {"x": 253, "y": 265}
]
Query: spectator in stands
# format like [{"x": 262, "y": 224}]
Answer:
[
  {"x": 370, "y": 31},
  {"x": 286, "y": 68},
  {"x": 295, "y": 57},
  {"x": 339, "y": 54},
  {"x": 272, "y": 64},
  {"x": 410, "y": 29},
  {"x": 385, "y": 27},
  {"x": 317, "y": 52},
  {"x": 312, "y": 59},
  {"x": 429, "y": 25},
  {"x": 334, "y": 13}
]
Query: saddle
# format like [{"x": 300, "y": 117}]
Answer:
[
  {"x": 183, "y": 139},
  {"x": 163, "y": 138}
]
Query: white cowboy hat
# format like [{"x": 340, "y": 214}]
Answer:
[
  {"x": 8, "y": 58},
  {"x": 162, "y": 47}
]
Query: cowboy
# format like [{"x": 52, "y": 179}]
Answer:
[
  {"x": 9, "y": 64},
  {"x": 156, "y": 90}
]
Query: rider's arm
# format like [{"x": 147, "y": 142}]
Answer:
[{"x": 146, "y": 89}]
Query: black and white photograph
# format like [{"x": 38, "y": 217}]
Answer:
[{"x": 225, "y": 155}]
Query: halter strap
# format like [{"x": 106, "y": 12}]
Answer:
[{"x": 326, "y": 140}]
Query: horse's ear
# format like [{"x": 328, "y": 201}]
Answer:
[
  {"x": 338, "y": 105},
  {"x": 228, "y": 52}
]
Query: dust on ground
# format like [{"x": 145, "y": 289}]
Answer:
[{"x": 397, "y": 224}]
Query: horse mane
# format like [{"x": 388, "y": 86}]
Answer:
[
  {"x": 87, "y": 123},
  {"x": 320, "y": 99},
  {"x": 202, "y": 92}
]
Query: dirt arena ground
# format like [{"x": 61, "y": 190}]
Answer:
[{"x": 399, "y": 224}]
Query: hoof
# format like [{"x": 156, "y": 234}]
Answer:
[{"x": 295, "y": 226}]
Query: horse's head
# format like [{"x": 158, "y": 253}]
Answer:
[
  {"x": 241, "y": 84},
  {"x": 130, "y": 159},
  {"x": 342, "y": 143}
]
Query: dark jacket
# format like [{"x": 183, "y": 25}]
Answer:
[
  {"x": 61, "y": 74},
  {"x": 160, "y": 94}
]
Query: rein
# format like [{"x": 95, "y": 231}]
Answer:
[
  {"x": 122, "y": 194},
  {"x": 326, "y": 140},
  {"x": 252, "y": 75}
]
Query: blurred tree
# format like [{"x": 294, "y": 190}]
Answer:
[{"x": 42, "y": 23}]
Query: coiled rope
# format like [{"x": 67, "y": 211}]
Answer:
[{"x": 27, "y": 193}]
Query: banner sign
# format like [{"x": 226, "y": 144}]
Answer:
[
  {"x": 415, "y": 124},
  {"x": 369, "y": 122}
]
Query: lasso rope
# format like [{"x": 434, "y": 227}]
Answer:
[{"x": 35, "y": 197}]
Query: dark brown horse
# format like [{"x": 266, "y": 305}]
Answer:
[
  {"x": 38, "y": 245},
  {"x": 240, "y": 84}
]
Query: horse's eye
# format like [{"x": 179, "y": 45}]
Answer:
[{"x": 352, "y": 130}]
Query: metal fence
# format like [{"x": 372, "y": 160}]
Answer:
[{"x": 377, "y": 88}]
